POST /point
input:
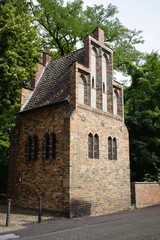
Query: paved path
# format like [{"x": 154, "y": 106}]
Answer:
[{"x": 141, "y": 224}]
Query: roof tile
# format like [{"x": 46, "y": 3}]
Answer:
[{"x": 54, "y": 84}]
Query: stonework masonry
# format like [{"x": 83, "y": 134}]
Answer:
[
  {"x": 72, "y": 183},
  {"x": 145, "y": 193},
  {"x": 46, "y": 178},
  {"x": 98, "y": 185}
]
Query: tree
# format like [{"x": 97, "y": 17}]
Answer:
[
  {"x": 142, "y": 108},
  {"x": 63, "y": 26},
  {"x": 117, "y": 36},
  {"x": 60, "y": 26},
  {"x": 19, "y": 52}
]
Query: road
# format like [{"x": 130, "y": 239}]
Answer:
[{"x": 143, "y": 224}]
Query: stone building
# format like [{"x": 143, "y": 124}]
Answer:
[{"x": 70, "y": 144}]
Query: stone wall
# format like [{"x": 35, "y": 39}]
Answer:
[
  {"x": 73, "y": 182},
  {"x": 98, "y": 186},
  {"x": 46, "y": 178},
  {"x": 145, "y": 193}
]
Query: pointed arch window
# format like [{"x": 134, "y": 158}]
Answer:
[
  {"x": 53, "y": 146},
  {"x": 82, "y": 89},
  {"x": 105, "y": 61},
  {"x": 47, "y": 146},
  {"x": 110, "y": 148},
  {"x": 115, "y": 102},
  {"x": 32, "y": 148},
  {"x": 90, "y": 145},
  {"x": 94, "y": 54},
  {"x": 35, "y": 148},
  {"x": 104, "y": 89},
  {"x": 93, "y": 146},
  {"x": 96, "y": 146},
  {"x": 50, "y": 146},
  {"x": 29, "y": 148},
  {"x": 114, "y": 149},
  {"x": 92, "y": 82}
]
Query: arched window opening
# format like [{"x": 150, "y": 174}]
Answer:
[
  {"x": 93, "y": 62},
  {"x": 114, "y": 149},
  {"x": 96, "y": 146},
  {"x": 105, "y": 60},
  {"x": 90, "y": 145},
  {"x": 47, "y": 147},
  {"x": 83, "y": 79},
  {"x": 29, "y": 148},
  {"x": 104, "y": 68},
  {"x": 110, "y": 148},
  {"x": 35, "y": 148},
  {"x": 92, "y": 82},
  {"x": 115, "y": 102},
  {"x": 82, "y": 83},
  {"x": 94, "y": 59},
  {"x": 104, "y": 87},
  {"x": 53, "y": 146}
]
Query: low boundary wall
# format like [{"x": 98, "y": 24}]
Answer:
[{"x": 145, "y": 193}]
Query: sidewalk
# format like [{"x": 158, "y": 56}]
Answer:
[{"x": 63, "y": 224}]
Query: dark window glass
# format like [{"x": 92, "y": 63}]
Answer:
[
  {"x": 35, "y": 150},
  {"x": 29, "y": 149},
  {"x": 46, "y": 146},
  {"x": 96, "y": 146},
  {"x": 110, "y": 148},
  {"x": 90, "y": 145},
  {"x": 114, "y": 149},
  {"x": 53, "y": 146},
  {"x": 92, "y": 82},
  {"x": 103, "y": 87}
]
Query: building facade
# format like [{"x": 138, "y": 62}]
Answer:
[{"x": 70, "y": 144}]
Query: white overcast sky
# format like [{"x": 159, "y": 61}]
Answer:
[{"x": 141, "y": 15}]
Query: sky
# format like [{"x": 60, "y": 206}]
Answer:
[{"x": 140, "y": 15}]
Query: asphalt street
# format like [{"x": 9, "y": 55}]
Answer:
[{"x": 142, "y": 224}]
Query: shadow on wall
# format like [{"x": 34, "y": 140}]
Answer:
[
  {"x": 79, "y": 207},
  {"x": 133, "y": 198}
]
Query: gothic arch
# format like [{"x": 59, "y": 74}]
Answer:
[
  {"x": 82, "y": 88},
  {"x": 115, "y": 101}
]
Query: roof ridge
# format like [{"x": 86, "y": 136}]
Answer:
[
  {"x": 67, "y": 55},
  {"x": 54, "y": 84}
]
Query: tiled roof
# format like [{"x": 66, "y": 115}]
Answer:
[{"x": 54, "y": 84}]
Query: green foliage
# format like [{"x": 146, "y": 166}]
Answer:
[
  {"x": 152, "y": 178},
  {"x": 117, "y": 36},
  {"x": 60, "y": 26},
  {"x": 63, "y": 26},
  {"x": 19, "y": 51},
  {"x": 142, "y": 108}
]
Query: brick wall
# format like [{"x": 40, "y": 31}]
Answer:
[
  {"x": 145, "y": 193},
  {"x": 48, "y": 178},
  {"x": 98, "y": 186},
  {"x": 73, "y": 183}
]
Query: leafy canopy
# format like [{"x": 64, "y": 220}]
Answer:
[
  {"x": 142, "y": 108},
  {"x": 19, "y": 52},
  {"x": 62, "y": 26}
]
